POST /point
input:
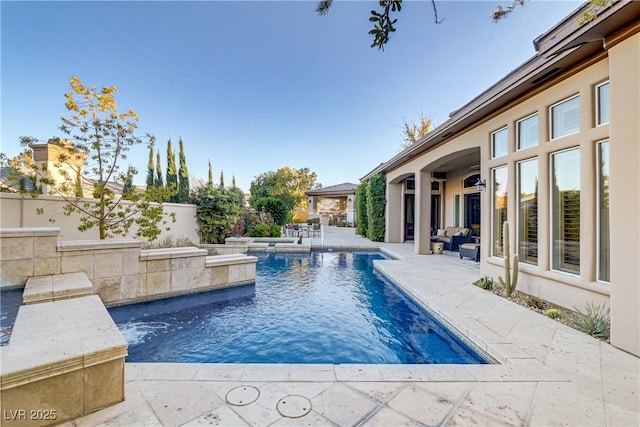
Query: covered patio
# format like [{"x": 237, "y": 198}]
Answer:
[
  {"x": 437, "y": 192},
  {"x": 333, "y": 205}
]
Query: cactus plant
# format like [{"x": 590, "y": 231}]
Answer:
[{"x": 509, "y": 283}]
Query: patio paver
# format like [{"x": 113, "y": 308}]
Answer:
[{"x": 550, "y": 374}]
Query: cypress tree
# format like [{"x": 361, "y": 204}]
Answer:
[
  {"x": 183, "y": 177},
  {"x": 221, "y": 179},
  {"x": 151, "y": 169},
  {"x": 128, "y": 182},
  {"x": 233, "y": 181},
  {"x": 172, "y": 173},
  {"x": 210, "y": 181},
  {"x": 158, "y": 183},
  {"x": 78, "y": 191}
]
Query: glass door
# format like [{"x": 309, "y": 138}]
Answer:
[
  {"x": 409, "y": 215},
  {"x": 435, "y": 212},
  {"x": 472, "y": 212}
]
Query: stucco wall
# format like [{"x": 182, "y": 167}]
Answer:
[{"x": 21, "y": 211}]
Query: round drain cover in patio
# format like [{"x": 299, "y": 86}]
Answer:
[
  {"x": 294, "y": 406},
  {"x": 243, "y": 395}
]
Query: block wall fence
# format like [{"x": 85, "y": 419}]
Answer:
[{"x": 19, "y": 210}]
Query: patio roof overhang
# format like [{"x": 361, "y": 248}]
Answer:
[
  {"x": 340, "y": 190},
  {"x": 561, "y": 51}
]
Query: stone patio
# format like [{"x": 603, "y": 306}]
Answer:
[{"x": 548, "y": 374}]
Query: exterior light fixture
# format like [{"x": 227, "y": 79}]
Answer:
[{"x": 481, "y": 184}]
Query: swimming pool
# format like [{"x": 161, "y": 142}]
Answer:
[
  {"x": 322, "y": 307},
  {"x": 10, "y": 302}
]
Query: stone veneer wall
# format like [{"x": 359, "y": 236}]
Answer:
[{"x": 120, "y": 271}]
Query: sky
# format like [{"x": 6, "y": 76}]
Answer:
[{"x": 253, "y": 86}]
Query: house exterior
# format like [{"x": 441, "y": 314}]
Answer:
[{"x": 553, "y": 149}]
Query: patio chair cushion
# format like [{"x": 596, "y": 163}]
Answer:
[
  {"x": 454, "y": 236},
  {"x": 470, "y": 250}
]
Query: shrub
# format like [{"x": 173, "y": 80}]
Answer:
[
  {"x": 216, "y": 210},
  {"x": 535, "y": 302},
  {"x": 249, "y": 218},
  {"x": 168, "y": 242},
  {"x": 361, "y": 209},
  {"x": 259, "y": 230},
  {"x": 594, "y": 321},
  {"x": 553, "y": 313},
  {"x": 275, "y": 231},
  {"x": 486, "y": 282},
  {"x": 376, "y": 201},
  {"x": 277, "y": 208}
]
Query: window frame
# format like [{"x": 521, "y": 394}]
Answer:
[
  {"x": 551, "y": 121},
  {"x": 598, "y": 215},
  {"x": 457, "y": 209},
  {"x": 410, "y": 184},
  {"x": 598, "y": 106},
  {"x": 493, "y": 142},
  {"x": 492, "y": 186},
  {"x": 518, "y": 139},
  {"x": 518, "y": 203},
  {"x": 551, "y": 213}
]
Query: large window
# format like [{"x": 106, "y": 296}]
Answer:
[
  {"x": 565, "y": 211},
  {"x": 565, "y": 118},
  {"x": 527, "y": 132},
  {"x": 499, "y": 201},
  {"x": 604, "y": 251},
  {"x": 528, "y": 211},
  {"x": 602, "y": 104},
  {"x": 499, "y": 143}
]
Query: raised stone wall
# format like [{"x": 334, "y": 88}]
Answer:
[{"x": 120, "y": 271}]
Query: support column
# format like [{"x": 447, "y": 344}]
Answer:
[
  {"x": 393, "y": 214},
  {"x": 624, "y": 153},
  {"x": 313, "y": 205},
  {"x": 422, "y": 232},
  {"x": 351, "y": 209}
]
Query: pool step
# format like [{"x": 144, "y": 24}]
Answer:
[
  {"x": 56, "y": 287},
  {"x": 65, "y": 358}
]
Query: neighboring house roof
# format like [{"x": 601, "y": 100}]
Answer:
[
  {"x": 343, "y": 189},
  {"x": 88, "y": 183},
  {"x": 10, "y": 180},
  {"x": 564, "y": 46}
]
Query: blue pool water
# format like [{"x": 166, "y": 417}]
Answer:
[
  {"x": 323, "y": 307},
  {"x": 10, "y": 302}
]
